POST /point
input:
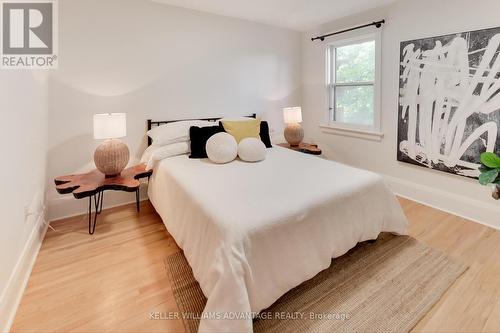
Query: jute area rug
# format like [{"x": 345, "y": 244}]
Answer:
[{"x": 385, "y": 286}]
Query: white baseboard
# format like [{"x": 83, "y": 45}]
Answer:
[
  {"x": 104, "y": 206},
  {"x": 64, "y": 206},
  {"x": 13, "y": 292},
  {"x": 486, "y": 212}
]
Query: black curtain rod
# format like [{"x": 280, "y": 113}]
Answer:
[{"x": 377, "y": 24}]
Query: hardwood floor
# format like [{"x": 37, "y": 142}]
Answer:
[{"x": 114, "y": 280}]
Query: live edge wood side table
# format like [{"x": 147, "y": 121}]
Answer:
[
  {"x": 94, "y": 183},
  {"x": 306, "y": 148}
]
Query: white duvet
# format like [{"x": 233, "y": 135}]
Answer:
[{"x": 253, "y": 231}]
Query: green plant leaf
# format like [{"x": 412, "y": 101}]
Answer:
[
  {"x": 491, "y": 160},
  {"x": 488, "y": 177}
]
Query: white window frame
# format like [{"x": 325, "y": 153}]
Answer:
[{"x": 372, "y": 132}]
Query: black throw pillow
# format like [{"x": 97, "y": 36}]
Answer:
[
  {"x": 264, "y": 134},
  {"x": 199, "y": 137}
]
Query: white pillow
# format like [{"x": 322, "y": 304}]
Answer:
[
  {"x": 146, "y": 156},
  {"x": 156, "y": 153},
  {"x": 221, "y": 148},
  {"x": 177, "y": 131},
  {"x": 251, "y": 150}
]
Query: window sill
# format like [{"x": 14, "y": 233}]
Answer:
[{"x": 352, "y": 132}]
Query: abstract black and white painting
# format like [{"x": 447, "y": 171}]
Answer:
[{"x": 449, "y": 101}]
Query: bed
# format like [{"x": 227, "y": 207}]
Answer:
[{"x": 253, "y": 231}]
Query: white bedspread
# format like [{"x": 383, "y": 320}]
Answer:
[{"x": 253, "y": 231}]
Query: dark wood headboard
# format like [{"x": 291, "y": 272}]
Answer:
[{"x": 152, "y": 123}]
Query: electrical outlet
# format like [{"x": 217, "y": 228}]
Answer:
[{"x": 35, "y": 208}]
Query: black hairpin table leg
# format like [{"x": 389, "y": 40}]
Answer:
[
  {"x": 98, "y": 198},
  {"x": 137, "y": 199},
  {"x": 101, "y": 199}
]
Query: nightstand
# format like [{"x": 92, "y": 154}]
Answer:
[
  {"x": 306, "y": 148},
  {"x": 94, "y": 183}
]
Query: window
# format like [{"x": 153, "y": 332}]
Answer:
[{"x": 352, "y": 82}]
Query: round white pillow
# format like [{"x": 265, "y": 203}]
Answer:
[
  {"x": 221, "y": 148},
  {"x": 251, "y": 150}
]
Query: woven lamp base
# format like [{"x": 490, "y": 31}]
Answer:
[
  {"x": 111, "y": 157},
  {"x": 294, "y": 133}
]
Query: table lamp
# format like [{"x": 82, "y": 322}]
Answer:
[
  {"x": 112, "y": 155},
  {"x": 294, "y": 133}
]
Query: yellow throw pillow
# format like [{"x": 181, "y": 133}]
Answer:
[{"x": 241, "y": 129}]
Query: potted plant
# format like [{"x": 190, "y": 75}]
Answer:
[{"x": 490, "y": 172}]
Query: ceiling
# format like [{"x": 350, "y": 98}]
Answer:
[{"x": 299, "y": 15}]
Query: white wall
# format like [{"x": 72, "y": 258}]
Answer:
[
  {"x": 152, "y": 60},
  {"x": 23, "y": 142},
  {"x": 406, "y": 20}
]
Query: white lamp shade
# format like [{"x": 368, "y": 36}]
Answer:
[
  {"x": 292, "y": 115},
  {"x": 110, "y": 125}
]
